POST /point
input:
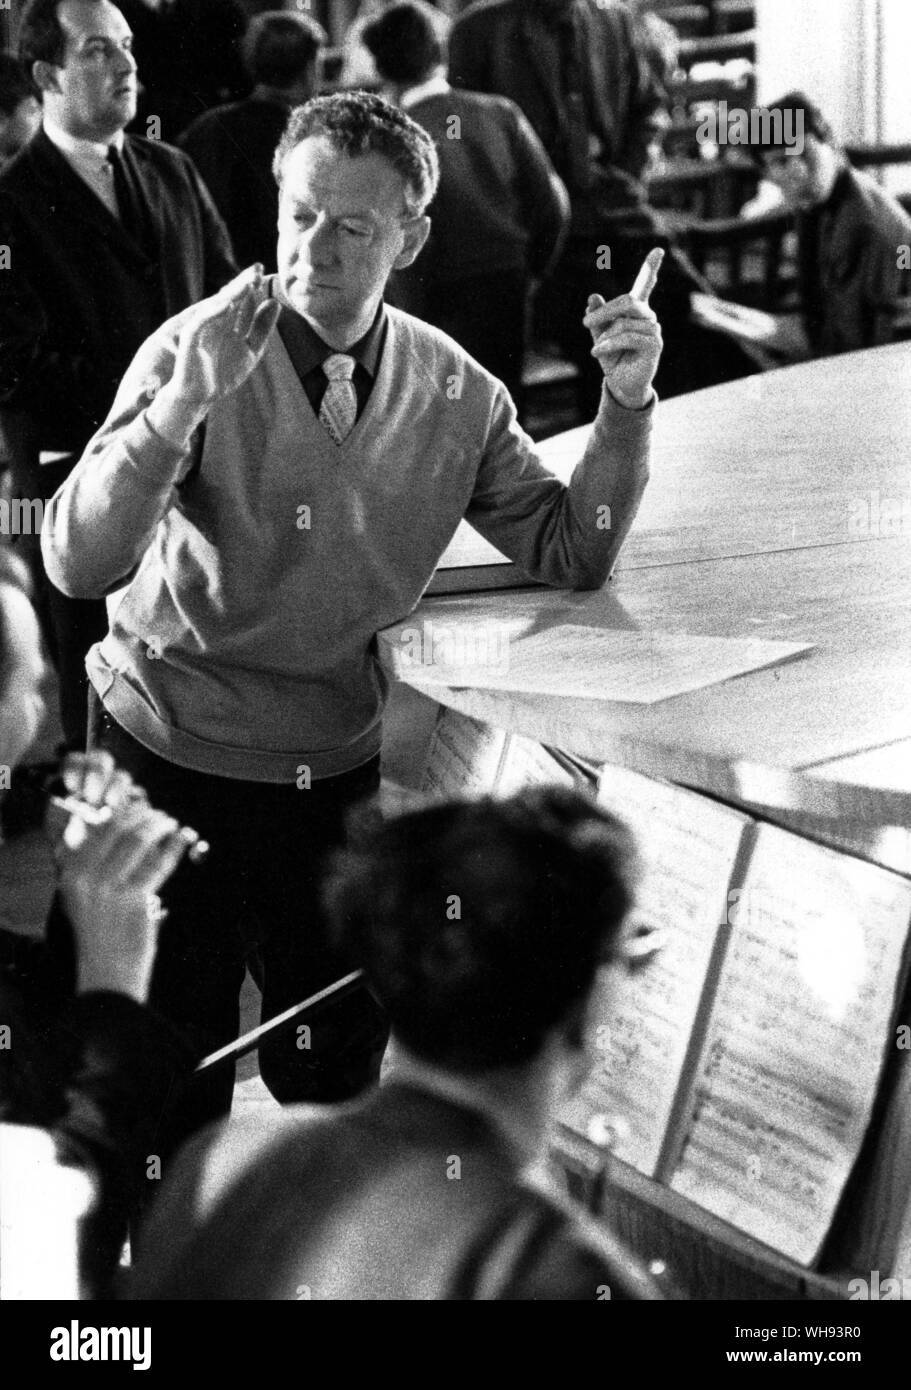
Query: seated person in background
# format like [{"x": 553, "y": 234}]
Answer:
[
  {"x": 85, "y": 1059},
  {"x": 851, "y": 232},
  {"x": 481, "y": 926},
  {"x": 20, "y": 110},
  {"x": 500, "y": 212},
  {"x": 283, "y": 494},
  {"x": 233, "y": 146}
]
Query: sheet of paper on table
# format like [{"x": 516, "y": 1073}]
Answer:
[
  {"x": 567, "y": 659},
  {"x": 737, "y": 319}
]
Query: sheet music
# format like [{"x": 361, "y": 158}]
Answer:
[
  {"x": 797, "y": 1041},
  {"x": 643, "y": 1015},
  {"x": 527, "y": 764},
  {"x": 464, "y": 756}
]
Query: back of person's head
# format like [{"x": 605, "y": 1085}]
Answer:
[
  {"x": 481, "y": 924},
  {"x": 279, "y": 49},
  {"x": 407, "y": 42},
  {"x": 359, "y": 123},
  {"x": 783, "y": 126},
  {"x": 15, "y": 84}
]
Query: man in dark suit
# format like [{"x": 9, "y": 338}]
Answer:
[
  {"x": 108, "y": 236},
  {"x": 500, "y": 213},
  {"x": 233, "y": 146},
  {"x": 575, "y": 69},
  {"x": 481, "y": 926}
]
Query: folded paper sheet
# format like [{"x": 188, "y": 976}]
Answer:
[{"x": 571, "y": 660}]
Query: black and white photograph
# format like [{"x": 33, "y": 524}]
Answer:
[{"x": 455, "y": 668}]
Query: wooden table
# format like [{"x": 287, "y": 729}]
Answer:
[{"x": 778, "y": 507}]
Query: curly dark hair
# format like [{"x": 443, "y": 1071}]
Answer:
[
  {"x": 481, "y": 924},
  {"x": 362, "y": 123}
]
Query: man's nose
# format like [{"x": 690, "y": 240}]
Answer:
[
  {"x": 320, "y": 242},
  {"x": 126, "y": 62}
]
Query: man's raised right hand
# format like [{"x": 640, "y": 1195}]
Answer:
[{"x": 220, "y": 343}]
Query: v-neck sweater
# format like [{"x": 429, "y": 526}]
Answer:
[{"x": 262, "y": 559}]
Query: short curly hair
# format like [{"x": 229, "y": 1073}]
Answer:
[
  {"x": 481, "y": 924},
  {"x": 359, "y": 123}
]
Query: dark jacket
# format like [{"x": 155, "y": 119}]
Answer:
[
  {"x": 93, "y": 1069},
  {"x": 400, "y": 1196},
  {"x": 233, "y": 147},
  {"x": 849, "y": 266},
  {"x": 80, "y": 296},
  {"x": 508, "y": 47},
  {"x": 498, "y": 206}
]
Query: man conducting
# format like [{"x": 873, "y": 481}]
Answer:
[{"x": 279, "y": 474}]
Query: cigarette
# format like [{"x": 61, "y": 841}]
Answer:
[
  {"x": 647, "y": 278},
  {"x": 100, "y": 815}
]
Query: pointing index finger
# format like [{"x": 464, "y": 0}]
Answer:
[{"x": 647, "y": 278}]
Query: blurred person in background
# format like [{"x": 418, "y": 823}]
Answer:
[
  {"x": 500, "y": 212},
  {"x": 85, "y": 1058},
  {"x": 189, "y": 59},
  {"x": 852, "y": 281},
  {"x": 577, "y": 71},
  {"x": 233, "y": 146},
  {"x": 20, "y": 109}
]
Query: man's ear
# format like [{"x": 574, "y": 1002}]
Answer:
[
  {"x": 416, "y": 233},
  {"x": 44, "y": 76}
]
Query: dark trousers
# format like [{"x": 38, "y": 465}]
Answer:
[
  {"x": 70, "y": 626},
  {"x": 255, "y": 900},
  {"x": 693, "y": 357}
]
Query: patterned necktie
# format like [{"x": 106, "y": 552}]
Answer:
[{"x": 338, "y": 411}]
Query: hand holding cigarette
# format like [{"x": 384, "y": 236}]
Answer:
[
  {"x": 627, "y": 337},
  {"x": 114, "y": 854}
]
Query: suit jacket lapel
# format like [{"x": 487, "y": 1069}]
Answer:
[{"x": 67, "y": 190}]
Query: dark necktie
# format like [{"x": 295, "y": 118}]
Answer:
[{"x": 129, "y": 204}]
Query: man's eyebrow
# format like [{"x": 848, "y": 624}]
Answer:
[{"x": 103, "y": 38}]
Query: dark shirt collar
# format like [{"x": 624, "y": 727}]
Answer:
[{"x": 308, "y": 350}]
